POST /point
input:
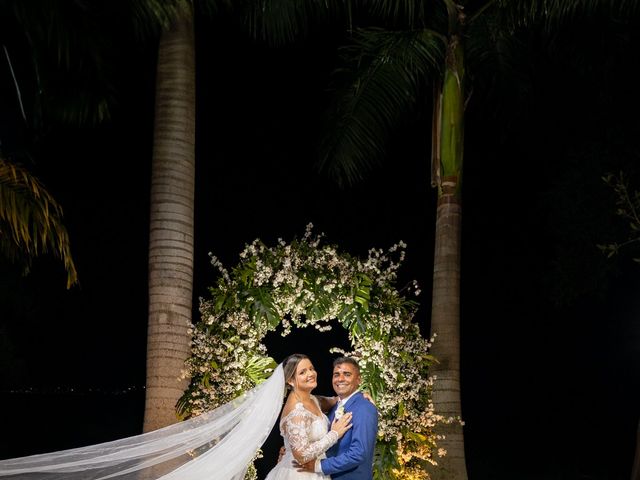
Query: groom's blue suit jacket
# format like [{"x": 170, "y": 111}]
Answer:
[{"x": 352, "y": 457}]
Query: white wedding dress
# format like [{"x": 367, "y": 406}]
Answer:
[{"x": 307, "y": 434}]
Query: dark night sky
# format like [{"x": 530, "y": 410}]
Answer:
[{"x": 550, "y": 329}]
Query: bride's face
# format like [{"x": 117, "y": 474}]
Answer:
[{"x": 306, "y": 376}]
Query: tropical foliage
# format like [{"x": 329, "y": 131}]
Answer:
[
  {"x": 409, "y": 57},
  {"x": 30, "y": 220},
  {"x": 305, "y": 283},
  {"x": 628, "y": 208}
]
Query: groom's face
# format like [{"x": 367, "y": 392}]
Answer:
[{"x": 346, "y": 379}]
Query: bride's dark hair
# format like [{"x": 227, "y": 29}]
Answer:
[{"x": 290, "y": 365}]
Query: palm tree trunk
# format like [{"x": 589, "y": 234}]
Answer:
[
  {"x": 445, "y": 322},
  {"x": 445, "y": 309},
  {"x": 171, "y": 224}
]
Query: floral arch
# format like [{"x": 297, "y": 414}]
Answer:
[{"x": 302, "y": 284}]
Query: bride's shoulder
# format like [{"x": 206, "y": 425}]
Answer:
[{"x": 291, "y": 405}]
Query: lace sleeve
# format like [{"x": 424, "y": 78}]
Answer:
[{"x": 297, "y": 429}]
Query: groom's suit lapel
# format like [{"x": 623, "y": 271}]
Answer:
[{"x": 332, "y": 412}]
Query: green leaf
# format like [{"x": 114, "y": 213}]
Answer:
[
  {"x": 363, "y": 291},
  {"x": 262, "y": 309},
  {"x": 220, "y": 299},
  {"x": 431, "y": 358},
  {"x": 418, "y": 437},
  {"x": 247, "y": 271},
  {"x": 384, "y": 460},
  {"x": 259, "y": 368}
]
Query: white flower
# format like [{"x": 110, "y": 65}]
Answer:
[{"x": 224, "y": 341}]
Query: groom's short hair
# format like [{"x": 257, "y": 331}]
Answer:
[{"x": 349, "y": 360}]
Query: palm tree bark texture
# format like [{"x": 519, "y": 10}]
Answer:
[
  {"x": 171, "y": 239},
  {"x": 447, "y": 150}
]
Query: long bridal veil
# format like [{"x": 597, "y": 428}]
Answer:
[{"x": 216, "y": 445}]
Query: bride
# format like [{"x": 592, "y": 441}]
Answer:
[
  {"x": 303, "y": 426},
  {"x": 218, "y": 444}
]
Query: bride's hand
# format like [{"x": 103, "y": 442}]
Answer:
[
  {"x": 342, "y": 424},
  {"x": 368, "y": 396}
]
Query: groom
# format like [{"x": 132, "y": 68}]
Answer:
[{"x": 352, "y": 457}]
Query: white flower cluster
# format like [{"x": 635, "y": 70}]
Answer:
[{"x": 304, "y": 283}]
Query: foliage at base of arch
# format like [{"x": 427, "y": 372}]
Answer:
[{"x": 305, "y": 283}]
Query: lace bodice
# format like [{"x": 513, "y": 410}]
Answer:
[{"x": 305, "y": 433}]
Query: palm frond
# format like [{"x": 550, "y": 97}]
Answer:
[
  {"x": 552, "y": 13},
  {"x": 499, "y": 61},
  {"x": 70, "y": 51},
  {"x": 280, "y": 21},
  {"x": 150, "y": 17},
  {"x": 31, "y": 220},
  {"x": 385, "y": 71},
  {"x": 408, "y": 11},
  {"x": 407, "y": 14}
]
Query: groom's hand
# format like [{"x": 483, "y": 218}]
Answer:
[{"x": 306, "y": 467}]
